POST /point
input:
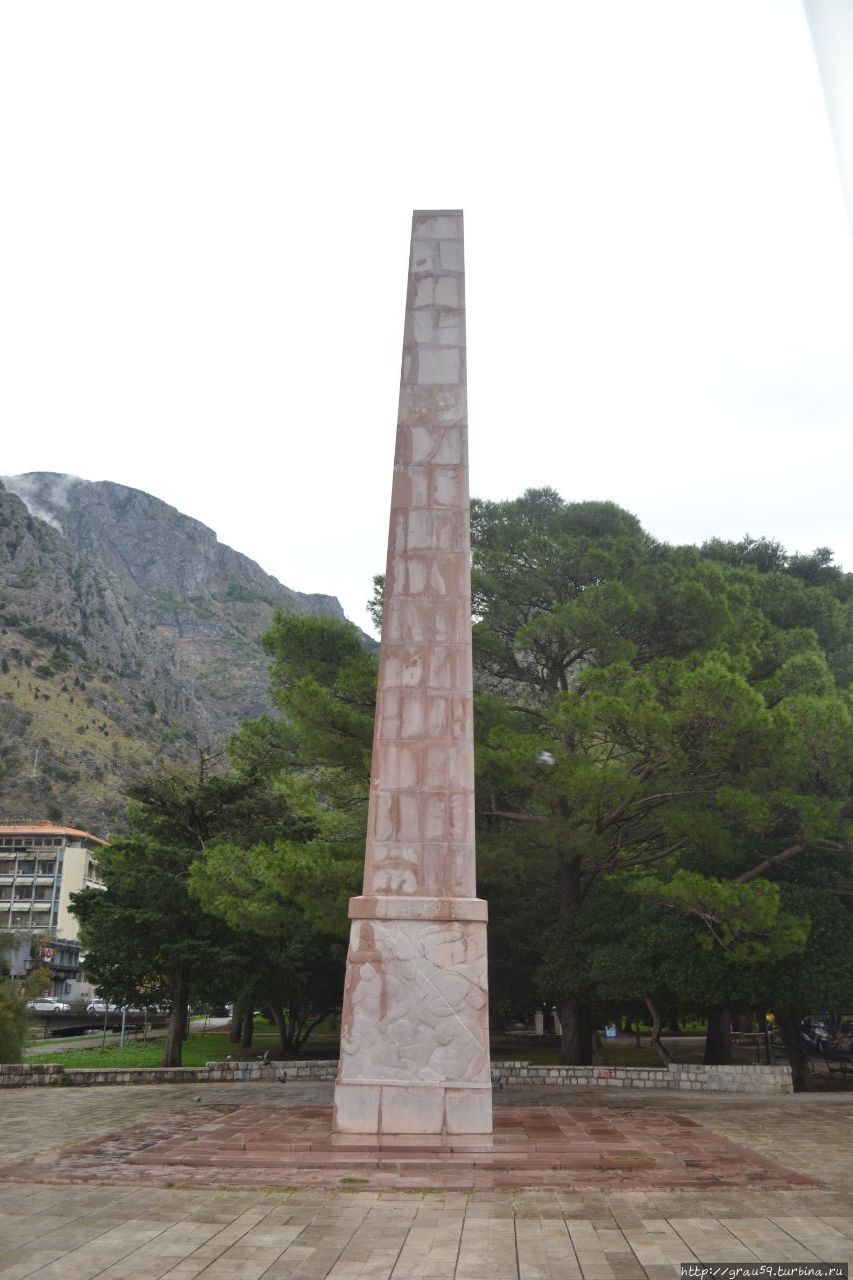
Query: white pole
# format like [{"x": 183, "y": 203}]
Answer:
[{"x": 123, "y": 1025}]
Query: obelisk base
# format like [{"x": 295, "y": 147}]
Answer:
[
  {"x": 415, "y": 1021},
  {"x": 392, "y": 1108}
]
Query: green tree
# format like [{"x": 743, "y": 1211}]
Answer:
[
  {"x": 661, "y": 732},
  {"x": 606, "y": 712},
  {"x": 656, "y": 716},
  {"x": 14, "y": 994},
  {"x": 293, "y": 969},
  {"x": 146, "y": 936},
  {"x": 316, "y": 752},
  {"x": 290, "y": 888}
]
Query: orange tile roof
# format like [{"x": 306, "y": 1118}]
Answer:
[{"x": 44, "y": 829}]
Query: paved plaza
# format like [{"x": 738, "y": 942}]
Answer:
[
  {"x": 535, "y": 1146},
  {"x": 140, "y": 1231}
]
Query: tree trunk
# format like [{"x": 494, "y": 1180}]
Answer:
[
  {"x": 656, "y": 1042},
  {"x": 284, "y": 1039},
  {"x": 789, "y": 1028},
  {"x": 576, "y": 1040},
  {"x": 177, "y": 1029},
  {"x": 673, "y": 1027},
  {"x": 575, "y": 1013},
  {"x": 248, "y": 1028},
  {"x": 718, "y": 1039},
  {"x": 235, "y": 1030}
]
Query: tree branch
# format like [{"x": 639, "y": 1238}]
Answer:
[
  {"x": 767, "y": 863},
  {"x": 619, "y": 811},
  {"x": 617, "y": 864},
  {"x": 516, "y": 817}
]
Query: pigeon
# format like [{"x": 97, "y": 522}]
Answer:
[{"x": 196, "y": 1097}]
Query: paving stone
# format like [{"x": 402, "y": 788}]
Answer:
[
  {"x": 630, "y": 1231},
  {"x": 536, "y": 1146}
]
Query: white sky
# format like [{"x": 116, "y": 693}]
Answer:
[{"x": 205, "y": 232}]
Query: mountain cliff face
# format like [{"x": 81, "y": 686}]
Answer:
[{"x": 127, "y": 631}]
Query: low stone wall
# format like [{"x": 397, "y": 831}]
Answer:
[
  {"x": 300, "y": 1069},
  {"x": 31, "y": 1073},
  {"x": 752, "y": 1078},
  {"x": 749, "y": 1078},
  {"x": 14, "y": 1074}
]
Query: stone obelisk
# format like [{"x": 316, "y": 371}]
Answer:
[{"x": 414, "y": 1027}]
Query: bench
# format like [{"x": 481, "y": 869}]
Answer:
[
  {"x": 757, "y": 1041},
  {"x": 837, "y": 1061}
]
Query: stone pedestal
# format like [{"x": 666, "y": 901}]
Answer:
[{"x": 414, "y": 1027}]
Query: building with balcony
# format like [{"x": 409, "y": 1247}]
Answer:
[{"x": 41, "y": 866}]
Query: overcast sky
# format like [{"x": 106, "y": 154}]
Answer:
[{"x": 205, "y": 237}]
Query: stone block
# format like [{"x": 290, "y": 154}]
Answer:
[
  {"x": 450, "y": 256},
  {"x": 356, "y": 1108},
  {"x": 410, "y": 1109},
  {"x": 437, "y": 224},
  {"x": 432, "y": 409},
  {"x": 449, "y": 291},
  {"x": 468, "y": 1110},
  {"x": 428, "y": 366},
  {"x": 424, "y": 259}
]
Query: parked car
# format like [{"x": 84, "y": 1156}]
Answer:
[
  {"x": 101, "y": 1006},
  {"x": 47, "y": 1004}
]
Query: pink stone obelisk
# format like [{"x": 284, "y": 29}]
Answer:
[{"x": 414, "y": 1028}]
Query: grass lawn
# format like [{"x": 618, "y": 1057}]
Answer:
[
  {"x": 620, "y": 1053},
  {"x": 215, "y": 1045},
  {"x": 623, "y": 1056},
  {"x": 617, "y": 1056},
  {"x": 198, "y": 1050}
]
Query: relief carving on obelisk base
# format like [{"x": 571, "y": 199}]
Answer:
[{"x": 415, "y": 1027}]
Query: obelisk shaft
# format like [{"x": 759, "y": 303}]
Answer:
[{"x": 414, "y": 1028}]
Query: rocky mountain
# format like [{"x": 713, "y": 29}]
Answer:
[{"x": 127, "y": 632}]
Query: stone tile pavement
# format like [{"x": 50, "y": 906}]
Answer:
[
  {"x": 540, "y": 1146},
  {"x": 74, "y": 1232}
]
